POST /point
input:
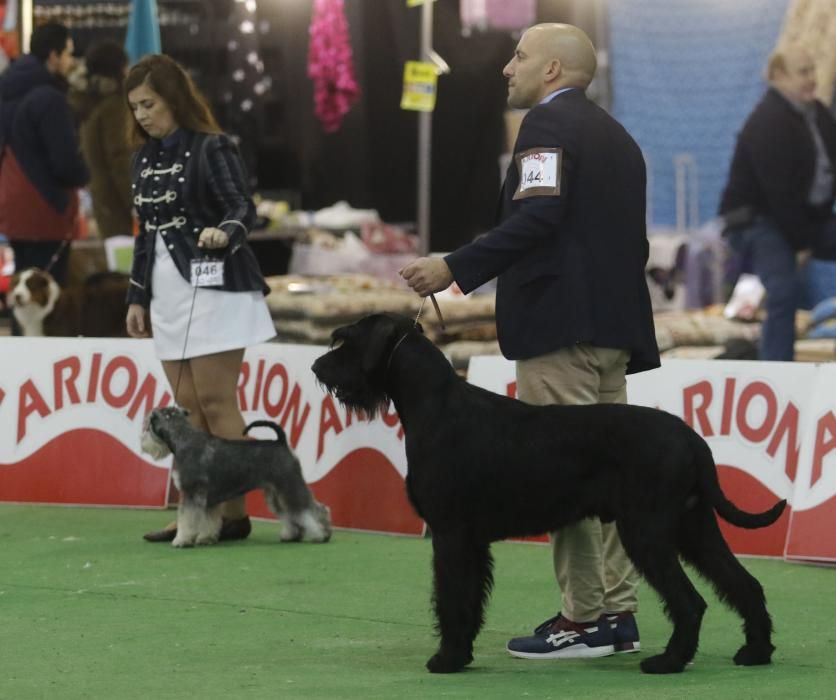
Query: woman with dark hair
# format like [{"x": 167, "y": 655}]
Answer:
[
  {"x": 192, "y": 264},
  {"x": 100, "y": 107}
]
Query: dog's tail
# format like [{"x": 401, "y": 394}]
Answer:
[
  {"x": 710, "y": 486},
  {"x": 281, "y": 438}
]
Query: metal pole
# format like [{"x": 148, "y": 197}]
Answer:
[
  {"x": 25, "y": 24},
  {"x": 425, "y": 139}
]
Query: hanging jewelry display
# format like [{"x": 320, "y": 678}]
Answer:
[{"x": 105, "y": 15}]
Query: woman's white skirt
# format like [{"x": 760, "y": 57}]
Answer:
[{"x": 220, "y": 320}]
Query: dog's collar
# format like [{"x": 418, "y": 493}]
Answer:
[
  {"x": 394, "y": 349},
  {"x": 403, "y": 337}
]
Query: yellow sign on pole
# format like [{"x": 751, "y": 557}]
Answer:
[
  {"x": 420, "y": 79},
  {"x": 415, "y": 3}
]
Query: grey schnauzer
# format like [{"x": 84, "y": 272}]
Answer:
[
  {"x": 483, "y": 467},
  {"x": 209, "y": 470}
]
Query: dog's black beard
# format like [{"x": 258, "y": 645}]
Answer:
[
  {"x": 358, "y": 396},
  {"x": 359, "y": 400},
  {"x": 355, "y": 370}
]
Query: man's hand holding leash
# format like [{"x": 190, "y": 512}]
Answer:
[{"x": 427, "y": 275}]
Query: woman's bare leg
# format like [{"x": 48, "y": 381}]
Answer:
[
  {"x": 215, "y": 382},
  {"x": 186, "y": 397}
]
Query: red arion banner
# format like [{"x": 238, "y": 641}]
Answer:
[
  {"x": 71, "y": 413},
  {"x": 771, "y": 427}
]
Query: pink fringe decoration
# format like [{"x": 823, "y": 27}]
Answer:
[{"x": 330, "y": 64}]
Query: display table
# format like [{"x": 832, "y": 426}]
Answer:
[{"x": 307, "y": 309}]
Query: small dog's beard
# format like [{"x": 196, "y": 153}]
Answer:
[{"x": 151, "y": 445}]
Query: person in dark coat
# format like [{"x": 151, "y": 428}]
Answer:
[
  {"x": 572, "y": 304},
  {"x": 103, "y": 115},
  {"x": 778, "y": 201},
  {"x": 41, "y": 166}
]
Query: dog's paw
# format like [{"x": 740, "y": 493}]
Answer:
[
  {"x": 205, "y": 540},
  {"x": 321, "y": 538},
  {"x": 313, "y": 527},
  {"x": 290, "y": 533},
  {"x": 445, "y": 663},
  {"x": 754, "y": 655},
  {"x": 181, "y": 542},
  {"x": 662, "y": 664},
  {"x": 318, "y": 535}
]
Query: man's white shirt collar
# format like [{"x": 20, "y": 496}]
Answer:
[{"x": 551, "y": 95}]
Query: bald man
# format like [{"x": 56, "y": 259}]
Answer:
[
  {"x": 572, "y": 305},
  {"x": 778, "y": 201}
]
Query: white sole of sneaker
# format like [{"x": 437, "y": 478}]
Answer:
[
  {"x": 635, "y": 646},
  {"x": 581, "y": 651}
]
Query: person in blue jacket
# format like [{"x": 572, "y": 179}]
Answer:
[{"x": 41, "y": 166}]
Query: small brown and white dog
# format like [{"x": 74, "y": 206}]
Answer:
[{"x": 95, "y": 309}]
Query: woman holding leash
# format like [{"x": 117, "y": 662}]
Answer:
[{"x": 192, "y": 267}]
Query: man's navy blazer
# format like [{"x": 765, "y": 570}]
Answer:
[{"x": 571, "y": 267}]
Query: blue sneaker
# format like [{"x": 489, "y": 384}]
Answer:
[
  {"x": 560, "y": 638},
  {"x": 625, "y": 632}
]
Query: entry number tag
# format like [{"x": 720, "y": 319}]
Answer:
[
  {"x": 207, "y": 273},
  {"x": 539, "y": 170}
]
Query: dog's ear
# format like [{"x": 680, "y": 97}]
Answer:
[
  {"x": 658, "y": 274},
  {"x": 379, "y": 338}
]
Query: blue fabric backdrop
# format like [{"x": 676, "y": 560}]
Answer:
[
  {"x": 686, "y": 73},
  {"x": 143, "y": 36}
]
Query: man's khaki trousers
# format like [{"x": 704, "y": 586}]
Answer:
[{"x": 592, "y": 569}]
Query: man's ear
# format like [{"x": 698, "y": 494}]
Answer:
[{"x": 554, "y": 69}]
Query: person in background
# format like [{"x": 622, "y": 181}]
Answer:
[
  {"x": 41, "y": 167},
  {"x": 100, "y": 106},
  {"x": 194, "y": 208},
  {"x": 778, "y": 201},
  {"x": 572, "y": 304}
]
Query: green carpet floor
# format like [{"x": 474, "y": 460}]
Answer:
[{"x": 89, "y": 610}]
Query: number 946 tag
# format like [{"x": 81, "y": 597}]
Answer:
[{"x": 207, "y": 273}]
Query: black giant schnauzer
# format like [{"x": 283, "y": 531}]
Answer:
[{"x": 484, "y": 467}]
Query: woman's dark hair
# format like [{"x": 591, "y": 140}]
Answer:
[
  {"x": 47, "y": 38},
  {"x": 106, "y": 58},
  {"x": 170, "y": 81}
]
